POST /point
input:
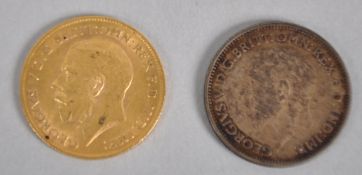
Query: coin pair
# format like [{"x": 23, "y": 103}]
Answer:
[{"x": 94, "y": 87}]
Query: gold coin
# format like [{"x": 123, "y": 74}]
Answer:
[
  {"x": 92, "y": 87},
  {"x": 277, "y": 93}
]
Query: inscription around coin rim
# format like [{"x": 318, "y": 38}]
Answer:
[
  {"x": 30, "y": 95},
  {"x": 332, "y": 126}
]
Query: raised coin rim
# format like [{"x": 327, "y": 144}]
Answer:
[
  {"x": 257, "y": 160},
  {"x": 51, "y": 31}
]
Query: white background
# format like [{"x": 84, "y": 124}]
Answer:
[{"x": 186, "y": 35}]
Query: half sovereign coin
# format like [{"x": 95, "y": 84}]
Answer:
[{"x": 92, "y": 87}]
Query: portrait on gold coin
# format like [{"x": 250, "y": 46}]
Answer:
[{"x": 92, "y": 86}]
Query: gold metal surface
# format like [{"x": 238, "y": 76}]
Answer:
[{"x": 92, "y": 87}]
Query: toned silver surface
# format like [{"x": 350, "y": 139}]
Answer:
[{"x": 276, "y": 94}]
